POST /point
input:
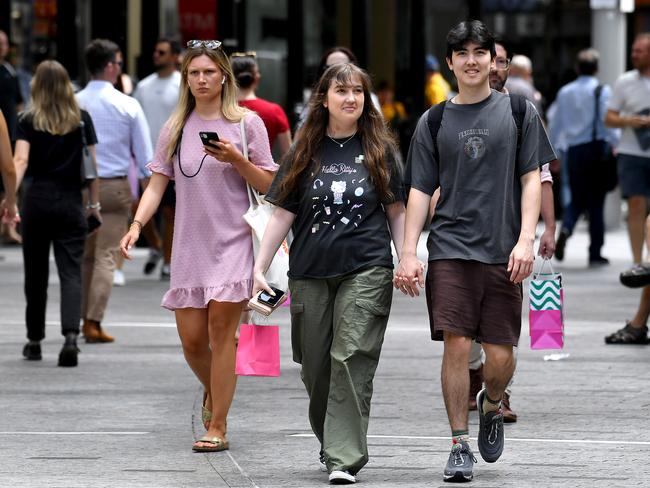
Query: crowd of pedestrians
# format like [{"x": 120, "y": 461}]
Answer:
[{"x": 477, "y": 177}]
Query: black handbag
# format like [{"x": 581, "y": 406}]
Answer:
[
  {"x": 605, "y": 162},
  {"x": 88, "y": 165}
]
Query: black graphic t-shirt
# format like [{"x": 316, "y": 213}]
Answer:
[{"x": 340, "y": 224}]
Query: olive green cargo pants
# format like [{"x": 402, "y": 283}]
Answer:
[{"x": 337, "y": 330}]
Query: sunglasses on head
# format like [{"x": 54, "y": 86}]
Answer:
[
  {"x": 247, "y": 54},
  {"x": 197, "y": 43}
]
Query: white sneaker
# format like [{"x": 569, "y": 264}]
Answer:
[
  {"x": 165, "y": 272},
  {"x": 118, "y": 278},
  {"x": 342, "y": 478}
]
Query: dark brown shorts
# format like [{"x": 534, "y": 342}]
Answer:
[{"x": 473, "y": 299}]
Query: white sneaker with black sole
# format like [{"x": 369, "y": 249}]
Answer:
[{"x": 342, "y": 478}]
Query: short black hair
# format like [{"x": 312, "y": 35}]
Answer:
[
  {"x": 174, "y": 44},
  {"x": 587, "y": 62},
  {"x": 470, "y": 31},
  {"x": 502, "y": 43},
  {"x": 99, "y": 53},
  {"x": 322, "y": 66}
]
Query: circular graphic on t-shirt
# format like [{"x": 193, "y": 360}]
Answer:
[{"x": 474, "y": 147}]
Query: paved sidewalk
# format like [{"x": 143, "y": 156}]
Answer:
[{"x": 127, "y": 416}]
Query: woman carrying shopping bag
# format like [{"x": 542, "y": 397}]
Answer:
[
  {"x": 212, "y": 258},
  {"x": 340, "y": 190},
  {"x": 50, "y": 140}
]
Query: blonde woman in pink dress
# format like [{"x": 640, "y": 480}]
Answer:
[{"x": 212, "y": 257}]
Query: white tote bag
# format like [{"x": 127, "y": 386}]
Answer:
[{"x": 258, "y": 216}]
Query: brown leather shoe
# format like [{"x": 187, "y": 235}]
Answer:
[
  {"x": 509, "y": 417},
  {"x": 93, "y": 332},
  {"x": 475, "y": 385}
]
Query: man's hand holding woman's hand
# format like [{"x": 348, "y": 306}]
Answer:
[{"x": 409, "y": 275}]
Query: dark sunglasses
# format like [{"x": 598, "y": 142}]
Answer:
[
  {"x": 197, "y": 43},
  {"x": 247, "y": 54}
]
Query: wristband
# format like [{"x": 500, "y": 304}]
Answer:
[
  {"x": 97, "y": 206},
  {"x": 138, "y": 223}
]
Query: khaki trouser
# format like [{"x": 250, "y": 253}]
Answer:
[
  {"x": 103, "y": 246},
  {"x": 337, "y": 330}
]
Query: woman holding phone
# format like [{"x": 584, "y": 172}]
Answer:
[
  {"x": 49, "y": 144},
  {"x": 212, "y": 257},
  {"x": 340, "y": 190}
]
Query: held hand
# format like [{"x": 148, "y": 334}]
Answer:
[
  {"x": 129, "y": 240},
  {"x": 520, "y": 264},
  {"x": 225, "y": 152},
  {"x": 409, "y": 275},
  {"x": 547, "y": 244},
  {"x": 260, "y": 283}
]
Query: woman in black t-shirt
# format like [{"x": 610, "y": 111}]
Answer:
[
  {"x": 49, "y": 152},
  {"x": 340, "y": 190}
]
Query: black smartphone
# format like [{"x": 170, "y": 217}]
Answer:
[
  {"x": 206, "y": 137},
  {"x": 93, "y": 222},
  {"x": 270, "y": 300}
]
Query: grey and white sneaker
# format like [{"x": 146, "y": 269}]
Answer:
[
  {"x": 491, "y": 438},
  {"x": 460, "y": 465},
  {"x": 342, "y": 478},
  {"x": 321, "y": 461}
]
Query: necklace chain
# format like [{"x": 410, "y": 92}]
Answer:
[{"x": 341, "y": 144}]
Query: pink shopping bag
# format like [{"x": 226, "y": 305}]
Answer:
[
  {"x": 545, "y": 318},
  {"x": 258, "y": 351}
]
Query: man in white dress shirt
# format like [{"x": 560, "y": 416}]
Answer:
[{"x": 123, "y": 133}]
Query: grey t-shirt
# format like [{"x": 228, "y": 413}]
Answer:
[{"x": 478, "y": 215}]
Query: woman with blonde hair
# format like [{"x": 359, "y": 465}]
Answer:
[
  {"x": 212, "y": 257},
  {"x": 340, "y": 190},
  {"x": 49, "y": 140}
]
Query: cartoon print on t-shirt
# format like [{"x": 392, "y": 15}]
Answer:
[
  {"x": 338, "y": 188},
  {"x": 336, "y": 198}
]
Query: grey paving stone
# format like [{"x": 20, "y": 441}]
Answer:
[{"x": 126, "y": 417}]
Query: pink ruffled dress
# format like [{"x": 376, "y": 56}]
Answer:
[{"x": 212, "y": 251}]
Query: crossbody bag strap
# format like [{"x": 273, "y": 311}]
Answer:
[
  {"x": 82, "y": 126},
  {"x": 597, "y": 91},
  {"x": 254, "y": 197}
]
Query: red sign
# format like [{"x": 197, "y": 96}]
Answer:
[{"x": 197, "y": 19}]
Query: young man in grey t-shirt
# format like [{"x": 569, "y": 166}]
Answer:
[{"x": 481, "y": 237}]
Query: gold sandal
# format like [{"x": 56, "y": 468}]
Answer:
[{"x": 216, "y": 444}]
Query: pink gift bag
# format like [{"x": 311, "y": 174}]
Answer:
[
  {"x": 545, "y": 317},
  {"x": 258, "y": 351}
]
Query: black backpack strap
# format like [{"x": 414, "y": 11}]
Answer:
[
  {"x": 518, "y": 106},
  {"x": 434, "y": 119},
  {"x": 594, "y": 126}
]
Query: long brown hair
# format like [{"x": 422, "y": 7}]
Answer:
[
  {"x": 376, "y": 139},
  {"x": 54, "y": 108},
  {"x": 186, "y": 101}
]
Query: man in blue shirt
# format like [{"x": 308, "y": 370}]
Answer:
[
  {"x": 580, "y": 123},
  {"x": 123, "y": 133}
]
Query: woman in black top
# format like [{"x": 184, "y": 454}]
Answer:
[
  {"x": 340, "y": 190},
  {"x": 49, "y": 152}
]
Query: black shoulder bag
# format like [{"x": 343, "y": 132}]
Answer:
[
  {"x": 88, "y": 165},
  {"x": 605, "y": 161}
]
